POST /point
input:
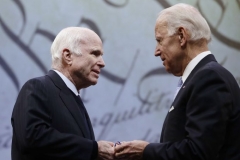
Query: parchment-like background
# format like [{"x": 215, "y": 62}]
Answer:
[{"x": 134, "y": 91}]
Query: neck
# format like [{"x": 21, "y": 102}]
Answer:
[
  {"x": 191, "y": 51},
  {"x": 66, "y": 73},
  {"x": 195, "y": 48}
]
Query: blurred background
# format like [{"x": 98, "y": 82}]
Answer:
[{"x": 134, "y": 92}]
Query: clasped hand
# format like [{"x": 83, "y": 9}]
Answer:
[{"x": 132, "y": 150}]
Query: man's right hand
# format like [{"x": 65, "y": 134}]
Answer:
[{"x": 105, "y": 150}]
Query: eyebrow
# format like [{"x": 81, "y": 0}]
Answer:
[
  {"x": 97, "y": 50},
  {"x": 158, "y": 38}
]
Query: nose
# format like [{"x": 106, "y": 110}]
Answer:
[
  {"x": 157, "y": 51},
  {"x": 101, "y": 62}
]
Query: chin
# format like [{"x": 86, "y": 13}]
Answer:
[
  {"x": 94, "y": 82},
  {"x": 90, "y": 84},
  {"x": 168, "y": 70}
]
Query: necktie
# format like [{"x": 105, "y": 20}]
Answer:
[{"x": 180, "y": 82}]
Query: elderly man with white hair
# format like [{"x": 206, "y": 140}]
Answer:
[
  {"x": 203, "y": 122},
  {"x": 49, "y": 119}
]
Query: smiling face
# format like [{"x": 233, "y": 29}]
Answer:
[
  {"x": 85, "y": 68},
  {"x": 169, "y": 49}
]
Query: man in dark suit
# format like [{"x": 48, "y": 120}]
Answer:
[
  {"x": 49, "y": 120},
  {"x": 203, "y": 122}
]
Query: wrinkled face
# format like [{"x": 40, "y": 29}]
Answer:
[
  {"x": 86, "y": 68},
  {"x": 168, "y": 48}
]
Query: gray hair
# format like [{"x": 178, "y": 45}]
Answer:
[
  {"x": 188, "y": 17},
  {"x": 69, "y": 38}
]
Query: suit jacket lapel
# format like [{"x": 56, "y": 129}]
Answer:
[
  {"x": 69, "y": 101},
  {"x": 203, "y": 62},
  {"x": 88, "y": 121}
]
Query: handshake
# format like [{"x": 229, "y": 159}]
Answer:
[{"x": 132, "y": 150}]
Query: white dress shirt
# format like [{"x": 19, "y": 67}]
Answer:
[{"x": 192, "y": 64}]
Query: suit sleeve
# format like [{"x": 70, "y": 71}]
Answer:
[
  {"x": 31, "y": 121},
  {"x": 208, "y": 108}
]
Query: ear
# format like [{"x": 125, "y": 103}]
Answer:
[
  {"x": 66, "y": 57},
  {"x": 182, "y": 36}
]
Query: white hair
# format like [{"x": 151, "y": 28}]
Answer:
[
  {"x": 69, "y": 38},
  {"x": 188, "y": 17}
]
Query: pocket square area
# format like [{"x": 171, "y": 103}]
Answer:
[{"x": 172, "y": 108}]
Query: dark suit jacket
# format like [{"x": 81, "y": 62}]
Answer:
[
  {"x": 48, "y": 124},
  {"x": 205, "y": 121}
]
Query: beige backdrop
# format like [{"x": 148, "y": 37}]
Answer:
[{"x": 134, "y": 91}]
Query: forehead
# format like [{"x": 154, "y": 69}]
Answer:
[
  {"x": 161, "y": 28},
  {"x": 92, "y": 44}
]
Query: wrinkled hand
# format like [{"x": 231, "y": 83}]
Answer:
[
  {"x": 132, "y": 150},
  {"x": 105, "y": 150}
]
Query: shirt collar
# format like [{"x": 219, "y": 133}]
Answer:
[
  {"x": 69, "y": 84},
  {"x": 192, "y": 64}
]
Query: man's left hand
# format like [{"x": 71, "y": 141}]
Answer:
[{"x": 130, "y": 150}]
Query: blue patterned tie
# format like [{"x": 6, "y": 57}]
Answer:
[{"x": 180, "y": 82}]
